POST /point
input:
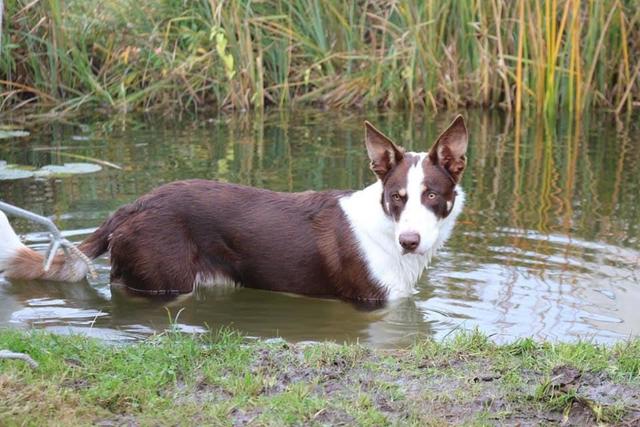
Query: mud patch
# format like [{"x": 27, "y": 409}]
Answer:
[{"x": 470, "y": 381}]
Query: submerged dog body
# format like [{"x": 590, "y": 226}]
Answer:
[{"x": 371, "y": 244}]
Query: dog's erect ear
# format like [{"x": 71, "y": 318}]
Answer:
[
  {"x": 383, "y": 153},
  {"x": 450, "y": 149}
]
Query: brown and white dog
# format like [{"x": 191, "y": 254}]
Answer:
[{"x": 371, "y": 244}]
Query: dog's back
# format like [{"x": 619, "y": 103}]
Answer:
[{"x": 197, "y": 233}]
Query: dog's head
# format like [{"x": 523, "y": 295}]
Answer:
[{"x": 419, "y": 189}]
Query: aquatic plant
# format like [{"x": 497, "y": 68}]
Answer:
[{"x": 543, "y": 56}]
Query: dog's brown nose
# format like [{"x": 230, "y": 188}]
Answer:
[{"x": 409, "y": 241}]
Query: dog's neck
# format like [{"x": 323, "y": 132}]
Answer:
[{"x": 374, "y": 232}]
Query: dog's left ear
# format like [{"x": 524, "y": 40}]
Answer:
[{"x": 450, "y": 149}]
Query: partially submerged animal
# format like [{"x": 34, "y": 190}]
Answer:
[{"x": 372, "y": 244}]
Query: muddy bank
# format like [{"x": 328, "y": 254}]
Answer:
[{"x": 225, "y": 379}]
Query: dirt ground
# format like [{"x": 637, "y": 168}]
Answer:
[
  {"x": 458, "y": 391},
  {"x": 231, "y": 381}
]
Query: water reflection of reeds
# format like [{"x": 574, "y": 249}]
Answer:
[{"x": 529, "y": 173}]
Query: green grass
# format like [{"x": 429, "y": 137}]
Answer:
[
  {"x": 221, "y": 379},
  {"x": 126, "y": 55}
]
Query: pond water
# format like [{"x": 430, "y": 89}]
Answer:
[{"x": 548, "y": 245}]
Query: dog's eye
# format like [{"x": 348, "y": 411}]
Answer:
[
  {"x": 396, "y": 197},
  {"x": 431, "y": 196}
]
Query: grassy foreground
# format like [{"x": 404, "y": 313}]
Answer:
[
  {"x": 128, "y": 55},
  {"x": 223, "y": 379}
]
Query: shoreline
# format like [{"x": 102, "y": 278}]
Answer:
[{"x": 221, "y": 378}]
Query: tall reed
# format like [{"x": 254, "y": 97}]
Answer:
[{"x": 538, "y": 55}]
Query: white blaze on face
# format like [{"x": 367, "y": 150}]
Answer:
[{"x": 416, "y": 217}]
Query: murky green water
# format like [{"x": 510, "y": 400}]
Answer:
[{"x": 548, "y": 246}]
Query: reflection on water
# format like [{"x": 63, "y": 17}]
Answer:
[{"x": 548, "y": 245}]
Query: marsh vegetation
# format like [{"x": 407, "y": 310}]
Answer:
[{"x": 126, "y": 55}]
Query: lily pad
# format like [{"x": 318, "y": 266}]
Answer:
[
  {"x": 4, "y": 134},
  {"x": 11, "y": 172},
  {"x": 68, "y": 169}
]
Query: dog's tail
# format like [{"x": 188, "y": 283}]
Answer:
[{"x": 21, "y": 262}]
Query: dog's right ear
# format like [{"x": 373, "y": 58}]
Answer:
[{"x": 383, "y": 153}]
